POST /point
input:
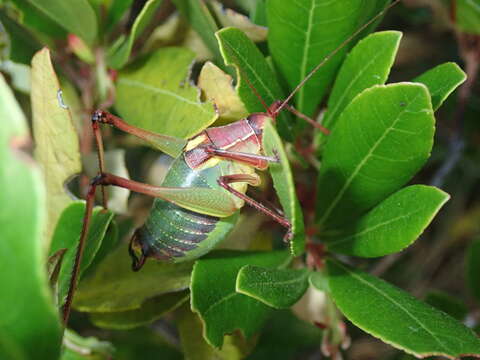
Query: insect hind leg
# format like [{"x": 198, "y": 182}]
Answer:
[{"x": 225, "y": 181}]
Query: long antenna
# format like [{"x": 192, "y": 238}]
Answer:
[{"x": 333, "y": 53}]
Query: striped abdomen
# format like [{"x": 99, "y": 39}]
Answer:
[
  {"x": 171, "y": 231},
  {"x": 174, "y": 233}
]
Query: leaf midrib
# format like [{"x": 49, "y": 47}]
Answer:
[
  {"x": 347, "y": 89},
  {"x": 386, "y": 296},
  {"x": 163, "y": 92},
  {"x": 371, "y": 228},
  {"x": 247, "y": 64},
  {"x": 360, "y": 165},
  {"x": 306, "y": 46}
]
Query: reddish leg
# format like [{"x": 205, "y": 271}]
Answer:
[
  {"x": 225, "y": 181},
  {"x": 81, "y": 246},
  {"x": 307, "y": 119},
  {"x": 166, "y": 193},
  {"x": 257, "y": 161},
  {"x": 168, "y": 144},
  {"x": 275, "y": 108}
]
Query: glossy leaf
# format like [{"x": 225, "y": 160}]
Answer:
[
  {"x": 285, "y": 337},
  {"x": 467, "y": 16},
  {"x": 120, "y": 52},
  {"x": 302, "y": 33},
  {"x": 392, "y": 225},
  {"x": 473, "y": 268},
  {"x": 190, "y": 328},
  {"x": 109, "y": 244},
  {"x": 27, "y": 304},
  {"x": 214, "y": 298},
  {"x": 218, "y": 89},
  {"x": 366, "y": 65},
  {"x": 154, "y": 93},
  {"x": 22, "y": 43},
  {"x": 253, "y": 72},
  {"x": 448, "y": 304},
  {"x": 77, "y": 347},
  {"x": 441, "y": 81},
  {"x": 66, "y": 14},
  {"x": 202, "y": 21},
  {"x": 67, "y": 235},
  {"x": 278, "y": 288},
  {"x": 397, "y": 317},
  {"x": 56, "y": 141},
  {"x": 151, "y": 310},
  {"x": 285, "y": 187},
  {"x": 115, "y": 276},
  {"x": 375, "y": 148}
]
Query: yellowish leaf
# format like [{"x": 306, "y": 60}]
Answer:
[
  {"x": 56, "y": 142},
  {"x": 217, "y": 88}
]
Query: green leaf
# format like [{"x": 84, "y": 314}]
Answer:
[
  {"x": 375, "y": 148},
  {"x": 154, "y": 93},
  {"x": 117, "y": 9},
  {"x": 319, "y": 280},
  {"x": 392, "y": 225},
  {"x": 448, "y": 304},
  {"x": 67, "y": 236},
  {"x": 89, "y": 348},
  {"x": 278, "y": 288},
  {"x": 118, "y": 55},
  {"x": 467, "y": 15},
  {"x": 108, "y": 244},
  {"x": 25, "y": 301},
  {"x": 473, "y": 268},
  {"x": 366, "y": 65},
  {"x": 56, "y": 141},
  {"x": 23, "y": 44},
  {"x": 441, "y": 81},
  {"x": 214, "y": 298},
  {"x": 145, "y": 341},
  {"x": 66, "y": 14},
  {"x": 115, "y": 276},
  {"x": 285, "y": 337},
  {"x": 32, "y": 18},
  {"x": 195, "y": 347},
  {"x": 398, "y": 318},
  {"x": 285, "y": 187},
  {"x": 199, "y": 17},
  {"x": 302, "y": 33},
  {"x": 252, "y": 71},
  {"x": 151, "y": 310}
]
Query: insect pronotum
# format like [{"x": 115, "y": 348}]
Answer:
[{"x": 204, "y": 186}]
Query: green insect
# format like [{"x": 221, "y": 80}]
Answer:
[{"x": 204, "y": 189}]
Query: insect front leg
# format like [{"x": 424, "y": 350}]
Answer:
[{"x": 225, "y": 181}]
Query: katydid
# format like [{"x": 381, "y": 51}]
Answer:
[{"x": 204, "y": 188}]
